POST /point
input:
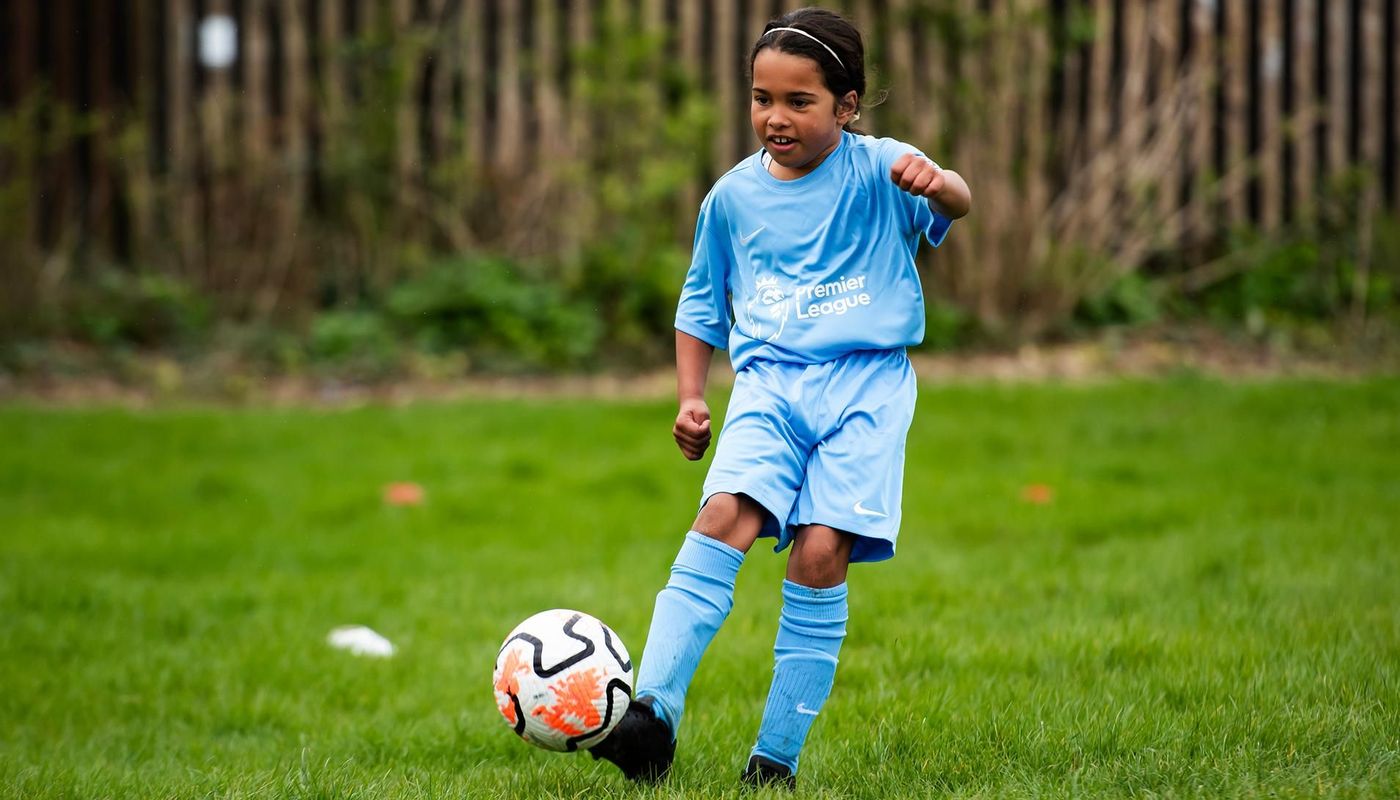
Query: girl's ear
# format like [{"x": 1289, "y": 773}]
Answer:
[{"x": 846, "y": 107}]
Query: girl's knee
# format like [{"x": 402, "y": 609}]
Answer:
[
  {"x": 734, "y": 519},
  {"x": 820, "y": 556}
]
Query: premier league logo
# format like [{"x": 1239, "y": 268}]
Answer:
[{"x": 767, "y": 310}]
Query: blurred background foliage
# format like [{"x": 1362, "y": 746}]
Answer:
[{"x": 422, "y": 191}]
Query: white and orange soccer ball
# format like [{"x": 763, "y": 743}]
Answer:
[{"x": 563, "y": 680}]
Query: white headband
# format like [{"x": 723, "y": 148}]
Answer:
[{"x": 809, "y": 36}]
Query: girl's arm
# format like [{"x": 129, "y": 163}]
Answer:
[
  {"x": 945, "y": 189},
  {"x": 692, "y": 428},
  {"x": 954, "y": 200}
]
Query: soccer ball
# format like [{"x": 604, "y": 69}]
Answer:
[{"x": 563, "y": 680}]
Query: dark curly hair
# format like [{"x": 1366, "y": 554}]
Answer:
[{"x": 833, "y": 30}]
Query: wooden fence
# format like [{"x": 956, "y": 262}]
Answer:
[{"x": 1286, "y": 95}]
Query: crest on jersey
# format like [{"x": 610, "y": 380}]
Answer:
[{"x": 768, "y": 309}]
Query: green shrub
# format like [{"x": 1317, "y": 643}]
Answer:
[
  {"x": 142, "y": 309},
  {"x": 266, "y": 347},
  {"x": 1131, "y": 300},
  {"x": 634, "y": 287},
  {"x": 496, "y": 313},
  {"x": 1306, "y": 276},
  {"x": 359, "y": 343},
  {"x": 946, "y": 326}
]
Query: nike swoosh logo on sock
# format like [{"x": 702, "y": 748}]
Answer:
[{"x": 803, "y": 709}]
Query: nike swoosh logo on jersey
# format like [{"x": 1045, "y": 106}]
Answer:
[
  {"x": 745, "y": 239},
  {"x": 866, "y": 512}
]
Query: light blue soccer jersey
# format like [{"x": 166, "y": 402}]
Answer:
[{"x": 807, "y": 270}]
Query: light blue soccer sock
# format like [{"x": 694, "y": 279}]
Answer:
[
  {"x": 810, "y": 632},
  {"x": 689, "y": 610}
]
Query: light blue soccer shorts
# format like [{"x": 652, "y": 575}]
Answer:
[{"x": 820, "y": 443}]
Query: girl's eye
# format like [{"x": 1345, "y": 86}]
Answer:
[
  {"x": 799, "y": 104},
  {"x": 763, "y": 101}
]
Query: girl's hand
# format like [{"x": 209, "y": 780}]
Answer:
[
  {"x": 692, "y": 428},
  {"x": 917, "y": 175}
]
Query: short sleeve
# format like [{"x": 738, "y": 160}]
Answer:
[
  {"x": 918, "y": 214},
  {"x": 703, "y": 310}
]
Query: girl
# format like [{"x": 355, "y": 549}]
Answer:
[{"x": 803, "y": 266}]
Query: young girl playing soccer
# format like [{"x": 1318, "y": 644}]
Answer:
[{"x": 803, "y": 267}]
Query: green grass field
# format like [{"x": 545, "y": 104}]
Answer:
[{"x": 1209, "y": 606}]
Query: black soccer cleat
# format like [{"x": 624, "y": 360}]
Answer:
[
  {"x": 641, "y": 744},
  {"x": 763, "y": 771}
]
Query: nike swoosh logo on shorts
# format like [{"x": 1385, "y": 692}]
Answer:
[
  {"x": 803, "y": 709},
  {"x": 746, "y": 239},
  {"x": 865, "y": 512}
]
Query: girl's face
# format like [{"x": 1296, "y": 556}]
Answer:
[{"x": 796, "y": 118}]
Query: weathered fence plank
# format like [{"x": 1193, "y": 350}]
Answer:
[
  {"x": 1203, "y": 58},
  {"x": 472, "y": 35},
  {"x": 1269, "y": 68},
  {"x": 1100, "y": 77},
  {"x": 1339, "y": 47},
  {"x": 548, "y": 98},
  {"x": 179, "y": 38},
  {"x": 1393, "y": 146},
  {"x": 1166, "y": 37},
  {"x": 510, "y": 127},
  {"x": 1235, "y": 81},
  {"x": 1304, "y": 107},
  {"x": 723, "y": 86},
  {"x": 1370, "y": 119}
]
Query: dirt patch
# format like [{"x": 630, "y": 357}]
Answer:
[
  {"x": 1103, "y": 360},
  {"x": 156, "y": 380}
]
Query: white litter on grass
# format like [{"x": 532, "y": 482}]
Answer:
[{"x": 361, "y": 641}]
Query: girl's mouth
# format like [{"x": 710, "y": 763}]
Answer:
[{"x": 781, "y": 144}]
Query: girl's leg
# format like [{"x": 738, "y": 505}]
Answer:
[
  {"x": 688, "y": 612},
  {"x": 695, "y": 601},
  {"x": 810, "y": 631}
]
